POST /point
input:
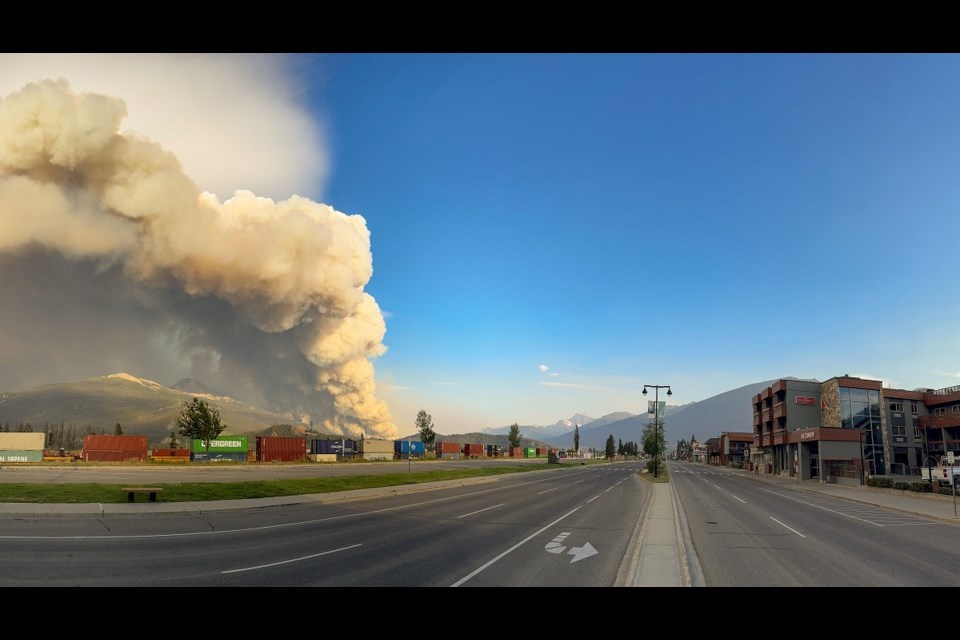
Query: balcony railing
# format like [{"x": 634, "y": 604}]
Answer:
[{"x": 946, "y": 391}]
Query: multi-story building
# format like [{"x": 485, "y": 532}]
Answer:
[
  {"x": 849, "y": 427},
  {"x": 733, "y": 447}
]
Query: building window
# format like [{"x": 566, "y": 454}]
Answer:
[
  {"x": 914, "y": 409},
  {"x": 916, "y": 432},
  {"x": 955, "y": 409},
  {"x": 896, "y": 406},
  {"x": 940, "y": 411},
  {"x": 900, "y": 431}
]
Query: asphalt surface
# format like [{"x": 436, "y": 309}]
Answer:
[{"x": 662, "y": 557}]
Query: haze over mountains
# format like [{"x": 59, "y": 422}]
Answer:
[
  {"x": 142, "y": 407},
  {"x": 149, "y": 408}
]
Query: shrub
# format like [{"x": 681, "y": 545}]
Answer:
[
  {"x": 880, "y": 481},
  {"x": 921, "y": 487},
  {"x": 900, "y": 484}
]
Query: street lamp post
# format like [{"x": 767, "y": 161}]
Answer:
[{"x": 656, "y": 422}]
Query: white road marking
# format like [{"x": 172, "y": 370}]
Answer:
[
  {"x": 277, "y": 564},
  {"x": 482, "y": 510},
  {"x": 547, "y": 491},
  {"x": 740, "y": 499},
  {"x": 511, "y": 549},
  {"x": 785, "y": 526}
]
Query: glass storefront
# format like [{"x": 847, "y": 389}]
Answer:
[{"x": 860, "y": 409}]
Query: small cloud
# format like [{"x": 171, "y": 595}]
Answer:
[
  {"x": 396, "y": 387},
  {"x": 553, "y": 373},
  {"x": 948, "y": 374},
  {"x": 386, "y": 314},
  {"x": 543, "y": 368},
  {"x": 573, "y": 385}
]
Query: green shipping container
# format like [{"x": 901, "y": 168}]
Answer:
[
  {"x": 530, "y": 452},
  {"x": 21, "y": 455},
  {"x": 222, "y": 444}
]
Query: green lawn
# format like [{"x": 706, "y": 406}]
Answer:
[{"x": 203, "y": 491}]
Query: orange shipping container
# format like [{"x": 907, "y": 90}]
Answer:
[
  {"x": 448, "y": 447},
  {"x": 281, "y": 449},
  {"x": 114, "y": 443}
]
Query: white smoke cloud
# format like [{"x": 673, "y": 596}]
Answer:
[
  {"x": 234, "y": 121},
  {"x": 108, "y": 250}
]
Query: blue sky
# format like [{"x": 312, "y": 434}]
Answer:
[{"x": 550, "y": 232}]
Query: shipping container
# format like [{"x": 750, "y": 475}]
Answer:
[
  {"x": 222, "y": 444},
  {"x": 376, "y": 449},
  {"x": 22, "y": 441},
  {"x": 21, "y": 455},
  {"x": 450, "y": 456},
  {"x": 111, "y": 448},
  {"x": 407, "y": 448},
  {"x": 281, "y": 448},
  {"x": 337, "y": 446},
  {"x": 530, "y": 452},
  {"x": 541, "y": 451},
  {"x": 114, "y": 455},
  {"x": 473, "y": 450},
  {"x": 447, "y": 447},
  {"x": 114, "y": 443},
  {"x": 516, "y": 452},
  {"x": 493, "y": 451},
  {"x": 200, "y": 456},
  {"x": 170, "y": 453},
  {"x": 323, "y": 457}
]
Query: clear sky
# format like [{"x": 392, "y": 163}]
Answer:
[{"x": 550, "y": 232}]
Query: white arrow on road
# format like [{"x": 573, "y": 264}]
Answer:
[{"x": 579, "y": 553}]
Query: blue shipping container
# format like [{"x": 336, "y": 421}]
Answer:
[
  {"x": 338, "y": 446},
  {"x": 416, "y": 447}
]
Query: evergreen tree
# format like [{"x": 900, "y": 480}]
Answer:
[
  {"x": 576, "y": 439},
  {"x": 117, "y": 430},
  {"x": 514, "y": 436},
  {"x": 424, "y": 426},
  {"x": 611, "y": 450}
]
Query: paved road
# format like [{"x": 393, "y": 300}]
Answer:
[{"x": 661, "y": 554}]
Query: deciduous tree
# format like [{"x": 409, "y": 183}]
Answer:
[{"x": 199, "y": 421}]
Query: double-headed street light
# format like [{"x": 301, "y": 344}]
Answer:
[{"x": 656, "y": 422}]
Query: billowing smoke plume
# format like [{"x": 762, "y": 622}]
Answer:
[{"x": 109, "y": 251}]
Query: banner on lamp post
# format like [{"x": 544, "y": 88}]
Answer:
[{"x": 652, "y": 408}]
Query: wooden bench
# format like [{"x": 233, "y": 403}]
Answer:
[{"x": 132, "y": 491}]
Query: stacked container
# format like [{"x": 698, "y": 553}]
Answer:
[
  {"x": 22, "y": 447},
  {"x": 223, "y": 448},
  {"x": 104, "y": 448},
  {"x": 170, "y": 455},
  {"x": 331, "y": 449},
  {"x": 281, "y": 448}
]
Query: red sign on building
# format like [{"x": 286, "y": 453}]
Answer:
[{"x": 805, "y": 399}]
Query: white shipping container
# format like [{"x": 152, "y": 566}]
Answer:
[
  {"x": 379, "y": 447},
  {"x": 23, "y": 441}
]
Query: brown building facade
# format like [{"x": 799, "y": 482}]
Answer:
[{"x": 850, "y": 428}]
